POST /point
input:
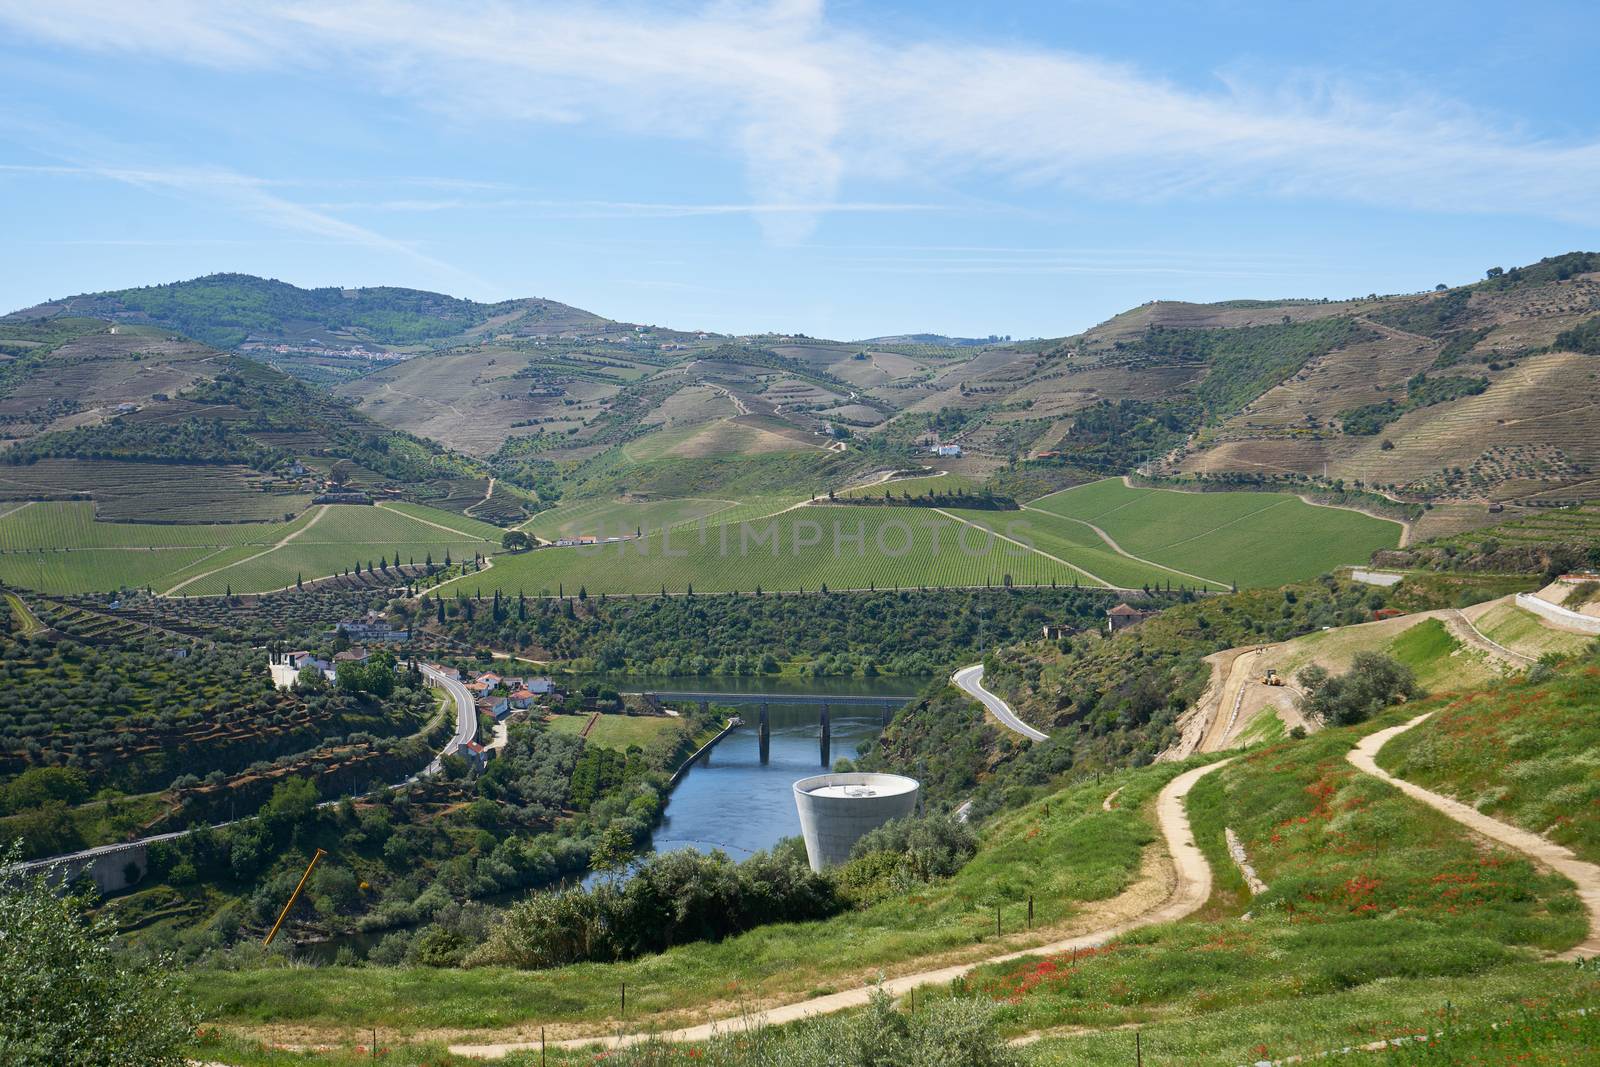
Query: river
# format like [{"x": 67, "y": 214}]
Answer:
[{"x": 730, "y": 800}]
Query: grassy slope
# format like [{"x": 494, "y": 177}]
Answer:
[
  {"x": 1378, "y": 911},
  {"x": 618, "y": 731},
  {"x": 1065, "y": 850},
  {"x": 59, "y": 548},
  {"x": 1528, "y": 753},
  {"x": 1521, "y": 631},
  {"x": 613, "y": 518},
  {"x": 844, "y": 548},
  {"x": 1256, "y": 539}
]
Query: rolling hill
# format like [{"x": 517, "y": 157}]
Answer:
[
  {"x": 154, "y": 427},
  {"x": 1486, "y": 392}
]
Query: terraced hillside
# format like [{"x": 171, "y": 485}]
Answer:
[
  {"x": 153, "y": 427},
  {"x": 1484, "y": 392}
]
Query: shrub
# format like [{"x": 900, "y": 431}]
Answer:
[
  {"x": 68, "y": 999},
  {"x": 1373, "y": 682}
]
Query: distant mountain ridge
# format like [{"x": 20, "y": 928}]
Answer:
[
  {"x": 939, "y": 339},
  {"x": 231, "y": 311}
]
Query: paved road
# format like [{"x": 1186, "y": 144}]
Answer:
[
  {"x": 1585, "y": 875},
  {"x": 466, "y": 730},
  {"x": 970, "y": 681},
  {"x": 466, "y": 715}
]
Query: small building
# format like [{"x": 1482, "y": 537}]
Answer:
[
  {"x": 540, "y": 686},
  {"x": 521, "y": 698},
  {"x": 499, "y": 707},
  {"x": 1123, "y": 616},
  {"x": 477, "y": 754},
  {"x": 1054, "y": 631},
  {"x": 945, "y": 450},
  {"x": 372, "y": 628},
  {"x": 489, "y": 680},
  {"x": 353, "y": 654}
]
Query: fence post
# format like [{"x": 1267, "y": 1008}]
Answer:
[
  {"x": 1138, "y": 1050},
  {"x": 624, "y": 1000},
  {"x": 1030, "y": 911}
]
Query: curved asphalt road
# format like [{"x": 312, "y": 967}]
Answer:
[
  {"x": 970, "y": 681},
  {"x": 466, "y": 716}
]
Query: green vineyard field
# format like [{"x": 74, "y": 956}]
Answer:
[{"x": 1255, "y": 539}]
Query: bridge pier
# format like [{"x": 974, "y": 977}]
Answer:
[
  {"x": 827, "y": 737},
  {"x": 765, "y": 736}
]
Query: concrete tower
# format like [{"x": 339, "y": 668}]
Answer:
[{"x": 837, "y": 809}]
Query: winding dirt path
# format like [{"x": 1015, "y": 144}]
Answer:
[
  {"x": 1562, "y": 860},
  {"x": 1464, "y": 631},
  {"x": 1111, "y": 543},
  {"x": 1191, "y": 888},
  {"x": 1031, "y": 548},
  {"x": 266, "y": 551}
]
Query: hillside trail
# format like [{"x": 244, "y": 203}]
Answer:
[
  {"x": 1119, "y": 550},
  {"x": 438, "y": 525},
  {"x": 13, "y": 511},
  {"x": 1035, "y": 549},
  {"x": 250, "y": 559},
  {"x": 1463, "y": 630},
  {"x": 1395, "y": 331},
  {"x": 487, "y": 495},
  {"x": 1183, "y": 891},
  {"x": 1562, "y": 860}
]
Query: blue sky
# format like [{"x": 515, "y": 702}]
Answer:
[{"x": 841, "y": 170}]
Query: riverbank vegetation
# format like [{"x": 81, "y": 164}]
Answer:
[
  {"x": 904, "y": 633},
  {"x": 1065, "y": 851}
]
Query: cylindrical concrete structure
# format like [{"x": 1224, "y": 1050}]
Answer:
[{"x": 836, "y": 810}]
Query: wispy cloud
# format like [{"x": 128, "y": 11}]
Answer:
[
  {"x": 805, "y": 105},
  {"x": 623, "y": 209},
  {"x": 248, "y": 195}
]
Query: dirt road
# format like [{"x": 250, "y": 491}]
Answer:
[
  {"x": 1191, "y": 886},
  {"x": 1585, "y": 875}
]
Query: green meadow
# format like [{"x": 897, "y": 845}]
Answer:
[
  {"x": 1254, "y": 539},
  {"x": 56, "y": 547}
]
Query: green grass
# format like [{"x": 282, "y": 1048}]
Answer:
[
  {"x": 1377, "y": 908},
  {"x": 1396, "y": 1007},
  {"x": 1064, "y": 849},
  {"x": 619, "y": 731},
  {"x": 1521, "y": 631},
  {"x": 842, "y": 547},
  {"x": 1077, "y": 544},
  {"x": 1255, "y": 539},
  {"x": 613, "y": 518},
  {"x": 1437, "y": 659},
  {"x": 1522, "y": 752},
  {"x": 935, "y": 483},
  {"x": 60, "y": 548}
]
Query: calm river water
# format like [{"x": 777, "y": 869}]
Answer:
[{"x": 731, "y": 800}]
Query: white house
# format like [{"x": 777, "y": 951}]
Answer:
[{"x": 946, "y": 450}]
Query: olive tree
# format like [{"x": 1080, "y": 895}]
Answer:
[{"x": 69, "y": 997}]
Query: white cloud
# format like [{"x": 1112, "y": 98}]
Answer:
[
  {"x": 804, "y": 105},
  {"x": 250, "y": 196}
]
